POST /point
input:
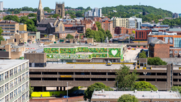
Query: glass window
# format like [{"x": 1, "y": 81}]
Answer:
[
  {"x": 6, "y": 87},
  {"x": 179, "y": 52},
  {"x": 177, "y": 42},
  {"x": 27, "y": 74},
  {"x": 23, "y": 77},
  {"x": 11, "y": 72},
  {"x": 23, "y": 66},
  {"x": 19, "y": 90},
  {"x": 15, "y": 82},
  {"x": 15, "y": 70},
  {"x": 171, "y": 51},
  {"x": 19, "y": 79},
  {"x": 23, "y": 97},
  {"x": 19, "y": 69},
  {"x": 19, "y": 99},
  {"x": 1, "y": 77},
  {"x": 1, "y": 89},
  {"x": 11, "y": 84},
  {"x": 6, "y": 74},
  {"x": 27, "y": 85},
  {"x": 7, "y": 98},
  {"x": 15, "y": 93},
  {"x": 11, "y": 95},
  {"x": 176, "y": 52},
  {"x": 27, "y": 94}
]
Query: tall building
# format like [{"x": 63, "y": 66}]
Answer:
[
  {"x": 1, "y": 5},
  {"x": 14, "y": 81},
  {"x": 175, "y": 15},
  {"x": 131, "y": 22},
  {"x": 40, "y": 13},
  {"x": 60, "y": 10},
  {"x": 96, "y": 12}
]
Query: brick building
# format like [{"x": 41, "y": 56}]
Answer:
[
  {"x": 142, "y": 34},
  {"x": 107, "y": 24},
  {"x": 123, "y": 30}
]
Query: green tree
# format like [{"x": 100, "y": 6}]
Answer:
[
  {"x": 98, "y": 24},
  {"x": 1, "y": 37},
  {"x": 144, "y": 86},
  {"x": 128, "y": 98},
  {"x": 96, "y": 86},
  {"x": 54, "y": 16},
  {"x": 79, "y": 14},
  {"x": 133, "y": 31},
  {"x": 47, "y": 9},
  {"x": 156, "y": 21},
  {"x": 142, "y": 54},
  {"x": 31, "y": 91},
  {"x": 31, "y": 25},
  {"x": 69, "y": 36},
  {"x": 176, "y": 88},
  {"x": 89, "y": 33},
  {"x": 125, "y": 79},
  {"x": 156, "y": 61},
  {"x": 32, "y": 15},
  {"x": 109, "y": 35},
  {"x": 11, "y": 17},
  {"x": 23, "y": 19}
]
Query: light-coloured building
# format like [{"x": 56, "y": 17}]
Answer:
[
  {"x": 14, "y": 81},
  {"x": 22, "y": 27},
  {"x": 1, "y": 6},
  {"x": 131, "y": 22},
  {"x": 96, "y": 12}
]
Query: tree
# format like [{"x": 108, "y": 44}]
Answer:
[
  {"x": 31, "y": 25},
  {"x": 11, "y": 17},
  {"x": 133, "y": 31},
  {"x": 156, "y": 61},
  {"x": 109, "y": 35},
  {"x": 69, "y": 36},
  {"x": 176, "y": 88},
  {"x": 89, "y": 33},
  {"x": 144, "y": 86},
  {"x": 23, "y": 19},
  {"x": 125, "y": 79},
  {"x": 156, "y": 21},
  {"x": 96, "y": 86},
  {"x": 142, "y": 54},
  {"x": 127, "y": 98},
  {"x": 54, "y": 16},
  {"x": 31, "y": 91},
  {"x": 47, "y": 9},
  {"x": 1, "y": 37},
  {"x": 32, "y": 15},
  {"x": 79, "y": 14}
]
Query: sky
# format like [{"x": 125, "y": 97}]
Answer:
[{"x": 171, "y": 5}]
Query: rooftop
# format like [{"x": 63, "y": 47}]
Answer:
[
  {"x": 6, "y": 64},
  {"x": 161, "y": 33},
  {"x": 138, "y": 94}
]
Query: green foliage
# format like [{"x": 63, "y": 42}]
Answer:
[
  {"x": 133, "y": 31},
  {"x": 116, "y": 50},
  {"x": 142, "y": 54},
  {"x": 156, "y": 21},
  {"x": 51, "y": 50},
  {"x": 17, "y": 10},
  {"x": 69, "y": 36},
  {"x": 149, "y": 17},
  {"x": 98, "y": 50},
  {"x": 1, "y": 37},
  {"x": 176, "y": 88},
  {"x": 127, "y": 98},
  {"x": 98, "y": 24},
  {"x": 99, "y": 55},
  {"x": 124, "y": 78},
  {"x": 31, "y": 25},
  {"x": 31, "y": 91},
  {"x": 68, "y": 50},
  {"x": 54, "y": 16},
  {"x": 79, "y": 14},
  {"x": 156, "y": 61},
  {"x": 144, "y": 86},
  {"x": 23, "y": 19},
  {"x": 32, "y": 15},
  {"x": 47, "y": 9},
  {"x": 172, "y": 22},
  {"x": 108, "y": 33},
  {"x": 83, "y": 49},
  {"x": 11, "y": 17},
  {"x": 96, "y": 86}
]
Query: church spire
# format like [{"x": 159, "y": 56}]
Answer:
[{"x": 40, "y": 5}]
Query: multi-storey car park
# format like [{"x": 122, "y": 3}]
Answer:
[{"x": 14, "y": 81}]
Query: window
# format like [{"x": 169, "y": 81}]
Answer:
[
  {"x": 15, "y": 82},
  {"x": 27, "y": 74},
  {"x": 6, "y": 87},
  {"x": 19, "y": 99},
  {"x": 19, "y": 69},
  {"x": 27, "y": 94},
  {"x": 23, "y": 97},
  {"x": 15, "y": 93},
  {"x": 1, "y": 89},
  {"x": 6, "y": 74},
  {"x": 11, "y": 95},
  {"x": 23, "y": 77},
  {"x": 27, "y": 85},
  {"x": 11, "y": 72},
  {"x": 15, "y": 70},
  {"x": 179, "y": 52},
  {"x": 7, "y": 98},
  {"x": 1, "y": 77},
  {"x": 176, "y": 52},
  {"x": 171, "y": 51},
  {"x": 11, "y": 84},
  {"x": 177, "y": 42},
  {"x": 19, "y": 79},
  {"x": 23, "y": 66},
  {"x": 19, "y": 90}
]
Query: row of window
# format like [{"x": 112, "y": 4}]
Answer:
[
  {"x": 13, "y": 83},
  {"x": 176, "y": 52},
  {"x": 13, "y": 71},
  {"x": 14, "y": 94}
]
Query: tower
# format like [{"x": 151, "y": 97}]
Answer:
[
  {"x": 40, "y": 13},
  {"x": 60, "y": 10}
]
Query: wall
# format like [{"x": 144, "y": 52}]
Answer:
[
  {"x": 142, "y": 34},
  {"x": 22, "y": 27}
]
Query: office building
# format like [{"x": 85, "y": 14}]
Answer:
[
  {"x": 107, "y": 24},
  {"x": 9, "y": 27},
  {"x": 175, "y": 15},
  {"x": 142, "y": 96},
  {"x": 142, "y": 34},
  {"x": 1, "y": 6},
  {"x": 14, "y": 81},
  {"x": 131, "y": 22},
  {"x": 96, "y": 12}
]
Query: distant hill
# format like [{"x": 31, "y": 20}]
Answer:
[{"x": 136, "y": 9}]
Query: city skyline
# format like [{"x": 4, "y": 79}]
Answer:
[{"x": 82, "y": 3}]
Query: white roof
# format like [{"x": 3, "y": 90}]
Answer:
[
  {"x": 138, "y": 94},
  {"x": 7, "y": 64}
]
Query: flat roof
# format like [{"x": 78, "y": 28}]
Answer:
[
  {"x": 6, "y": 64},
  {"x": 138, "y": 94}
]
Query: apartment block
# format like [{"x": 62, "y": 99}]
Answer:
[
  {"x": 96, "y": 12},
  {"x": 14, "y": 81},
  {"x": 9, "y": 27},
  {"x": 22, "y": 27}
]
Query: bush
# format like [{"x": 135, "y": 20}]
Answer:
[
  {"x": 142, "y": 54},
  {"x": 127, "y": 98},
  {"x": 156, "y": 61},
  {"x": 144, "y": 86}
]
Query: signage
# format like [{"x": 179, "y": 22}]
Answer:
[{"x": 65, "y": 76}]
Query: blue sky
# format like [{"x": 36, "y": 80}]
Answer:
[{"x": 171, "y": 5}]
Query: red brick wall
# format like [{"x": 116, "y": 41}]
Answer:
[
  {"x": 161, "y": 50},
  {"x": 142, "y": 34}
]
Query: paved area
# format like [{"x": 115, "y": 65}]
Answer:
[{"x": 131, "y": 55}]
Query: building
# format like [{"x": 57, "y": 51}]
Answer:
[
  {"x": 60, "y": 9},
  {"x": 1, "y": 6},
  {"x": 40, "y": 13},
  {"x": 131, "y": 22},
  {"x": 151, "y": 26},
  {"x": 22, "y": 27},
  {"x": 142, "y": 96},
  {"x": 142, "y": 34},
  {"x": 107, "y": 24},
  {"x": 14, "y": 84},
  {"x": 123, "y": 30},
  {"x": 175, "y": 15},
  {"x": 9, "y": 27},
  {"x": 96, "y": 12}
]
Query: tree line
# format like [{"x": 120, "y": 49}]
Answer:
[{"x": 172, "y": 22}]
